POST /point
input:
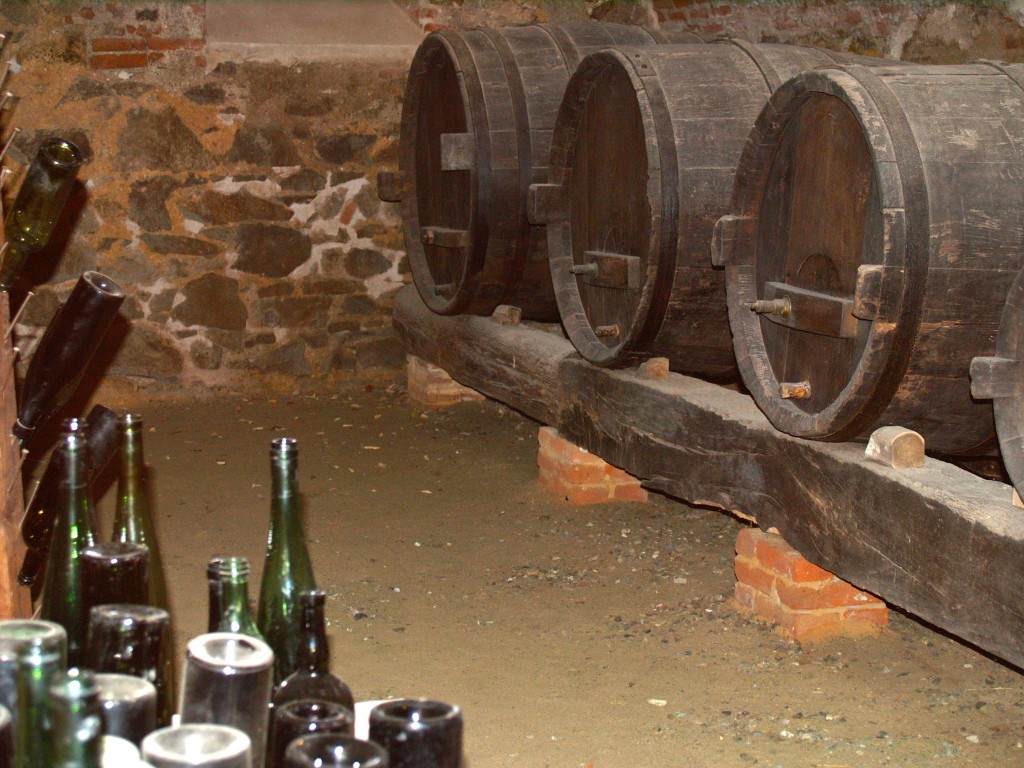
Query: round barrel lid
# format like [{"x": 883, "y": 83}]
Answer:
[
  {"x": 437, "y": 149},
  {"x": 605, "y": 253},
  {"x": 815, "y": 255}
]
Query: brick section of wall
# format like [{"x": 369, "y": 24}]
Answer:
[
  {"x": 579, "y": 476},
  {"x": 137, "y": 35},
  {"x": 432, "y": 387},
  {"x": 774, "y": 581}
]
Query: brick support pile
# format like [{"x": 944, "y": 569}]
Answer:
[
  {"x": 432, "y": 387},
  {"x": 579, "y": 476},
  {"x": 774, "y": 581}
]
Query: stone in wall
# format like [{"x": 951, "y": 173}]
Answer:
[
  {"x": 271, "y": 250},
  {"x": 212, "y": 301}
]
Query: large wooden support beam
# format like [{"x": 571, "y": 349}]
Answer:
[{"x": 943, "y": 544}]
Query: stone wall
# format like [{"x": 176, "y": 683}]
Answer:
[{"x": 237, "y": 205}]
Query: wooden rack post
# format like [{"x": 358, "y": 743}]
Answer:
[{"x": 15, "y": 601}]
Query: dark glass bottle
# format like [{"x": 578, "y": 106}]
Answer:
[
  {"x": 228, "y": 679},
  {"x": 37, "y": 525},
  {"x": 6, "y": 738},
  {"x": 304, "y": 718},
  {"x": 329, "y": 750},
  {"x": 113, "y": 572},
  {"x": 214, "y": 592},
  {"x": 127, "y": 706},
  {"x": 287, "y": 569},
  {"x": 133, "y": 521},
  {"x": 197, "y": 745},
  {"x": 236, "y": 616},
  {"x": 75, "y": 714},
  {"x": 63, "y": 597},
  {"x": 417, "y": 733},
  {"x": 38, "y": 204},
  {"x": 312, "y": 678},
  {"x": 134, "y": 640},
  {"x": 67, "y": 346},
  {"x": 39, "y": 659}
]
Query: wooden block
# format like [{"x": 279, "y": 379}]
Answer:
[
  {"x": 896, "y": 447},
  {"x": 390, "y": 186},
  {"x": 655, "y": 369},
  {"x": 506, "y": 314}
]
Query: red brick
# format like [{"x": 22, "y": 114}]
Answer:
[
  {"x": 875, "y": 614},
  {"x": 586, "y": 474},
  {"x": 199, "y": 61},
  {"x": 554, "y": 444},
  {"x": 776, "y": 555},
  {"x": 155, "y": 56},
  {"x": 348, "y": 212},
  {"x": 119, "y": 61},
  {"x": 748, "y": 572},
  {"x": 745, "y": 595},
  {"x": 174, "y": 44},
  {"x": 746, "y": 542},
  {"x": 631, "y": 492},
  {"x": 833, "y": 594},
  {"x": 116, "y": 44},
  {"x": 804, "y": 626},
  {"x": 589, "y": 494}
]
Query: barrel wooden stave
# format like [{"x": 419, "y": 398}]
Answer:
[
  {"x": 946, "y": 170},
  {"x": 511, "y": 84},
  {"x": 698, "y": 106}
]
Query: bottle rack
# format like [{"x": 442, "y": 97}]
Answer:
[{"x": 15, "y": 601}]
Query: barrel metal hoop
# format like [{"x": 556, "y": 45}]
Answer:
[
  {"x": 768, "y": 72},
  {"x": 916, "y": 227},
  {"x": 669, "y": 234},
  {"x": 481, "y": 174},
  {"x": 1001, "y": 67},
  {"x": 570, "y": 52},
  {"x": 521, "y": 118}
]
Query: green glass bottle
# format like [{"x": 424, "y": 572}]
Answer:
[
  {"x": 236, "y": 615},
  {"x": 63, "y": 597},
  {"x": 133, "y": 522},
  {"x": 38, "y": 204},
  {"x": 287, "y": 569},
  {"x": 43, "y": 655},
  {"x": 76, "y": 717}
]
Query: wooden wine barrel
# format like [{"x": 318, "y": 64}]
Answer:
[
  {"x": 1000, "y": 378},
  {"x": 877, "y": 224},
  {"x": 476, "y": 129},
  {"x": 643, "y": 158}
]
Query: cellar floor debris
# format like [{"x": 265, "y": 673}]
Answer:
[{"x": 573, "y": 637}]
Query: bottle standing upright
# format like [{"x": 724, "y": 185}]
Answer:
[
  {"x": 287, "y": 569},
  {"x": 41, "y": 512},
  {"x": 235, "y": 614},
  {"x": 133, "y": 521},
  {"x": 75, "y": 714},
  {"x": 63, "y": 597},
  {"x": 312, "y": 678}
]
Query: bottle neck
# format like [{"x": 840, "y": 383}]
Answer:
[
  {"x": 132, "y": 460},
  {"x": 74, "y": 491},
  {"x": 234, "y": 603},
  {"x": 314, "y": 654}
]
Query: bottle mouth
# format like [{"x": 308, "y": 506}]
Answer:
[
  {"x": 312, "y": 598},
  {"x": 103, "y": 284},
  {"x": 61, "y": 153},
  {"x": 115, "y": 688},
  {"x": 231, "y": 652},
  {"x": 230, "y": 567},
  {"x": 195, "y": 742},
  {"x": 415, "y": 713},
  {"x": 284, "y": 446}
]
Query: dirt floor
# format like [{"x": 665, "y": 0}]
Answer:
[{"x": 572, "y": 637}]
